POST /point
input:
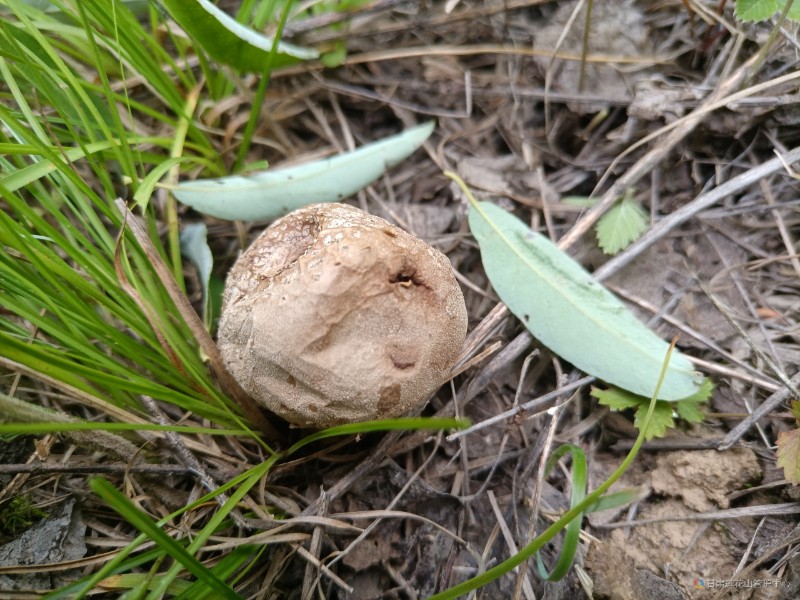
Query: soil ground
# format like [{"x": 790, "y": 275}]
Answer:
[{"x": 529, "y": 125}]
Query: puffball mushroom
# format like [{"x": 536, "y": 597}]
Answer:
[{"x": 335, "y": 316}]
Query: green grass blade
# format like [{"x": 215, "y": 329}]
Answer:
[
  {"x": 573, "y": 530},
  {"x": 401, "y": 424},
  {"x": 237, "y": 560},
  {"x": 57, "y": 427},
  {"x": 143, "y": 523}
]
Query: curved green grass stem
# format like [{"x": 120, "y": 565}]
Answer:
[
  {"x": 573, "y": 531},
  {"x": 573, "y": 514}
]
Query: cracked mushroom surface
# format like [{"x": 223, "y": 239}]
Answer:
[{"x": 335, "y": 316}]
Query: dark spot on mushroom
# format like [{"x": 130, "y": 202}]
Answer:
[
  {"x": 390, "y": 233},
  {"x": 406, "y": 276},
  {"x": 401, "y": 364},
  {"x": 291, "y": 380},
  {"x": 321, "y": 343},
  {"x": 403, "y": 279},
  {"x": 390, "y": 396}
]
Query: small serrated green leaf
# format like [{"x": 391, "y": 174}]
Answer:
[
  {"x": 688, "y": 408},
  {"x": 617, "y": 399},
  {"x": 755, "y": 10},
  {"x": 690, "y": 411},
  {"x": 623, "y": 223},
  {"x": 662, "y": 419}
]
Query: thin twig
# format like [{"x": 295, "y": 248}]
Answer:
[
  {"x": 766, "y": 407},
  {"x": 539, "y": 403},
  {"x": 313, "y": 573},
  {"x": 81, "y": 469},
  {"x": 770, "y": 510},
  {"x": 511, "y": 544},
  {"x": 791, "y": 385},
  {"x": 190, "y": 460}
]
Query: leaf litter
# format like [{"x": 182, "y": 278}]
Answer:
[{"x": 529, "y": 146}]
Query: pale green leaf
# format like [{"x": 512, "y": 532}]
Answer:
[
  {"x": 230, "y": 42},
  {"x": 571, "y": 313},
  {"x": 623, "y": 223},
  {"x": 275, "y": 192},
  {"x": 794, "y": 12},
  {"x": 661, "y": 420},
  {"x": 756, "y": 10}
]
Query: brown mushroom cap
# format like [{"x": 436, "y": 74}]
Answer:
[{"x": 334, "y": 316}]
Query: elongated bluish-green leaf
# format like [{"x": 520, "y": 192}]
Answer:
[
  {"x": 194, "y": 246},
  {"x": 571, "y": 313},
  {"x": 230, "y": 42},
  {"x": 274, "y": 193}
]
